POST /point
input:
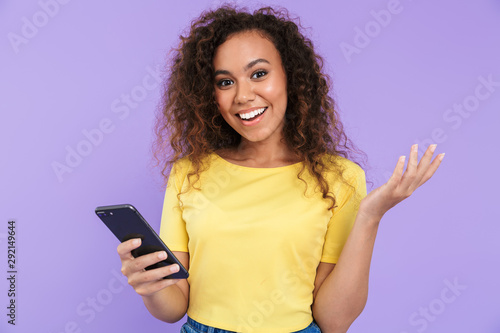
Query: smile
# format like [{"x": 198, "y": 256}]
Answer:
[{"x": 252, "y": 114}]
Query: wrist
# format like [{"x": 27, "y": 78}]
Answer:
[{"x": 368, "y": 217}]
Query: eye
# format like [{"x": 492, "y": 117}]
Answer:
[
  {"x": 224, "y": 83},
  {"x": 258, "y": 74}
]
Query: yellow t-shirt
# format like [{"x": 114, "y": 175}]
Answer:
[{"x": 255, "y": 240}]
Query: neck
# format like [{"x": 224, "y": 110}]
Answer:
[{"x": 265, "y": 154}]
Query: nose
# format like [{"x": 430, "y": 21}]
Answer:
[{"x": 244, "y": 93}]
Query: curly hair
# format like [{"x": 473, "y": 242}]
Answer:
[{"x": 189, "y": 118}]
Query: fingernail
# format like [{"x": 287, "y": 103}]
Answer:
[
  {"x": 402, "y": 159},
  {"x": 415, "y": 147},
  {"x": 136, "y": 241},
  {"x": 441, "y": 156},
  {"x": 432, "y": 147},
  {"x": 162, "y": 255},
  {"x": 174, "y": 268}
]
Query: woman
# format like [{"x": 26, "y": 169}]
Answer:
[{"x": 262, "y": 204}]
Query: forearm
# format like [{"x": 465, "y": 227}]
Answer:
[
  {"x": 168, "y": 304},
  {"x": 343, "y": 294}
]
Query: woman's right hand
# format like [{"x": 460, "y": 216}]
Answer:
[{"x": 145, "y": 282}]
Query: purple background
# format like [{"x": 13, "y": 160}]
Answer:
[{"x": 69, "y": 76}]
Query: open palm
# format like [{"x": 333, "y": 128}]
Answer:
[{"x": 401, "y": 185}]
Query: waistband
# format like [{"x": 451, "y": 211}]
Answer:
[{"x": 313, "y": 327}]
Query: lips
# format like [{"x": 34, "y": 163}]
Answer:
[
  {"x": 253, "y": 117},
  {"x": 251, "y": 114}
]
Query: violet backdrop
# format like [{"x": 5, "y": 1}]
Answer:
[{"x": 80, "y": 83}]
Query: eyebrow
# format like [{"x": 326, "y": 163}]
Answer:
[{"x": 248, "y": 66}]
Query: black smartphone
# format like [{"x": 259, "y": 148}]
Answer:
[{"x": 126, "y": 223}]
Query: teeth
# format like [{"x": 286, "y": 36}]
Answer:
[{"x": 251, "y": 114}]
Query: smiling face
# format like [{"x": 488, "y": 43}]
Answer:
[{"x": 250, "y": 86}]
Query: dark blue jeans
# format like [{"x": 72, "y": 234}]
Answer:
[{"x": 192, "y": 326}]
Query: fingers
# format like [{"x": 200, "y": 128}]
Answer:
[
  {"x": 140, "y": 263},
  {"x": 146, "y": 289},
  {"x": 398, "y": 172},
  {"x": 145, "y": 282},
  {"x": 417, "y": 173},
  {"x": 426, "y": 168},
  {"x": 152, "y": 275},
  {"x": 401, "y": 185},
  {"x": 411, "y": 170},
  {"x": 432, "y": 168},
  {"x": 150, "y": 281},
  {"x": 131, "y": 265},
  {"x": 413, "y": 161},
  {"x": 426, "y": 159},
  {"x": 125, "y": 248}
]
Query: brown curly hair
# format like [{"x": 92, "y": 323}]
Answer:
[{"x": 190, "y": 121}]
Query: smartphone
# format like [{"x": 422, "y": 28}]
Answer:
[{"x": 126, "y": 223}]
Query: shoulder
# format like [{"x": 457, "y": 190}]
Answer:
[
  {"x": 185, "y": 166},
  {"x": 179, "y": 171},
  {"x": 345, "y": 176},
  {"x": 341, "y": 166},
  {"x": 180, "y": 167}
]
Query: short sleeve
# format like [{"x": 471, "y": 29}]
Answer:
[
  {"x": 343, "y": 215},
  {"x": 173, "y": 227}
]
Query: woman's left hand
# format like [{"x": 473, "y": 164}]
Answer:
[{"x": 400, "y": 186}]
